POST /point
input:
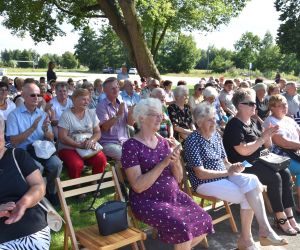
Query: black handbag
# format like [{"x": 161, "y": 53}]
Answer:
[
  {"x": 274, "y": 161},
  {"x": 112, "y": 217}
]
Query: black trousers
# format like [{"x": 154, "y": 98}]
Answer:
[{"x": 279, "y": 185}]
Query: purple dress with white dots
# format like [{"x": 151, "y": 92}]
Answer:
[{"x": 164, "y": 206}]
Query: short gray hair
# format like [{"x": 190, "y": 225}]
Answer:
[
  {"x": 143, "y": 106},
  {"x": 210, "y": 91},
  {"x": 60, "y": 85},
  {"x": 109, "y": 80},
  {"x": 203, "y": 110},
  {"x": 157, "y": 91},
  {"x": 291, "y": 84},
  {"x": 260, "y": 86},
  {"x": 180, "y": 91},
  {"x": 241, "y": 94}
]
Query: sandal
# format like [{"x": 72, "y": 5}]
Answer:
[
  {"x": 290, "y": 231},
  {"x": 297, "y": 228}
]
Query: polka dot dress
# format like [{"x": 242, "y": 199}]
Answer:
[
  {"x": 201, "y": 152},
  {"x": 176, "y": 216}
]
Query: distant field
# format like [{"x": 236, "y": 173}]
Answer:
[{"x": 193, "y": 76}]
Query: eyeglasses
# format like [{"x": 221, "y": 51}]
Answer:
[
  {"x": 200, "y": 89},
  {"x": 156, "y": 115},
  {"x": 35, "y": 95},
  {"x": 250, "y": 104},
  {"x": 3, "y": 90}
]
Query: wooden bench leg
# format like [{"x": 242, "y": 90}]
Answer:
[
  {"x": 134, "y": 246},
  {"x": 204, "y": 242},
  {"x": 231, "y": 219}
]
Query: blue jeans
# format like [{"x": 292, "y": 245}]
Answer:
[{"x": 51, "y": 169}]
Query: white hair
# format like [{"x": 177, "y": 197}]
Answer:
[
  {"x": 157, "y": 91},
  {"x": 203, "y": 110},
  {"x": 260, "y": 86},
  {"x": 209, "y": 92},
  {"x": 143, "y": 107},
  {"x": 180, "y": 91}
]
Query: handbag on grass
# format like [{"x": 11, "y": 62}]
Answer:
[
  {"x": 274, "y": 161},
  {"x": 54, "y": 220},
  {"x": 111, "y": 216}
]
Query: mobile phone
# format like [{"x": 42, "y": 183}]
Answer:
[
  {"x": 246, "y": 164},
  {"x": 177, "y": 147}
]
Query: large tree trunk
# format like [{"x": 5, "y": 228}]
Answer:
[{"x": 129, "y": 29}]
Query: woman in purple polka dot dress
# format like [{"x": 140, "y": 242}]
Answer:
[{"x": 154, "y": 171}]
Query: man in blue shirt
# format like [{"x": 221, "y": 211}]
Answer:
[
  {"x": 25, "y": 125},
  {"x": 123, "y": 75},
  {"x": 129, "y": 96}
]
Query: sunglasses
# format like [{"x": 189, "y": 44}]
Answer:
[
  {"x": 250, "y": 104},
  {"x": 35, "y": 95},
  {"x": 200, "y": 89}
]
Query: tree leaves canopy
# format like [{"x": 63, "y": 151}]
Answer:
[{"x": 288, "y": 35}]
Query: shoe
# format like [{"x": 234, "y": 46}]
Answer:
[
  {"x": 281, "y": 221},
  {"x": 271, "y": 240},
  {"x": 241, "y": 246},
  {"x": 297, "y": 228}
]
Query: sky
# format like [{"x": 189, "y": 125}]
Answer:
[{"x": 259, "y": 16}]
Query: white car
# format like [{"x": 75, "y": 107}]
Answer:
[{"x": 132, "y": 71}]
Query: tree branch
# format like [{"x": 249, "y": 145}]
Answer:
[
  {"x": 84, "y": 9},
  {"x": 154, "y": 34},
  {"x": 161, "y": 37}
]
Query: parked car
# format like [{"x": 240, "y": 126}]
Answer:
[
  {"x": 108, "y": 70},
  {"x": 133, "y": 71},
  {"x": 119, "y": 70}
]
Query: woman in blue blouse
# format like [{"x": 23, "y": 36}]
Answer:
[{"x": 211, "y": 174}]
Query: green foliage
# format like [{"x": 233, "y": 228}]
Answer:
[
  {"x": 289, "y": 29},
  {"x": 247, "y": 48},
  {"x": 220, "y": 64},
  {"x": 98, "y": 51},
  {"x": 68, "y": 60},
  {"x": 178, "y": 54}
]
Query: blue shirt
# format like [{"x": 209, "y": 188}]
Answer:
[
  {"x": 130, "y": 100},
  {"x": 21, "y": 119},
  {"x": 201, "y": 152}
]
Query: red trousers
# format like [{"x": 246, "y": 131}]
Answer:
[{"x": 75, "y": 163}]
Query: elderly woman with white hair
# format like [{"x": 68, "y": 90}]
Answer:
[
  {"x": 210, "y": 95},
  {"x": 211, "y": 174},
  {"x": 262, "y": 104},
  {"x": 154, "y": 171},
  {"x": 166, "y": 128},
  {"x": 180, "y": 114}
]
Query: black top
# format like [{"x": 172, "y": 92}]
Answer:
[
  {"x": 235, "y": 133},
  {"x": 262, "y": 108},
  {"x": 12, "y": 188},
  {"x": 51, "y": 75},
  {"x": 180, "y": 118}
]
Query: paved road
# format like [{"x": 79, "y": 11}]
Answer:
[{"x": 225, "y": 239}]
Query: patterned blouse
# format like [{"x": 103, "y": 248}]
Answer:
[{"x": 180, "y": 118}]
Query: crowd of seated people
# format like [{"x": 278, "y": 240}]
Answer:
[{"x": 140, "y": 130}]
